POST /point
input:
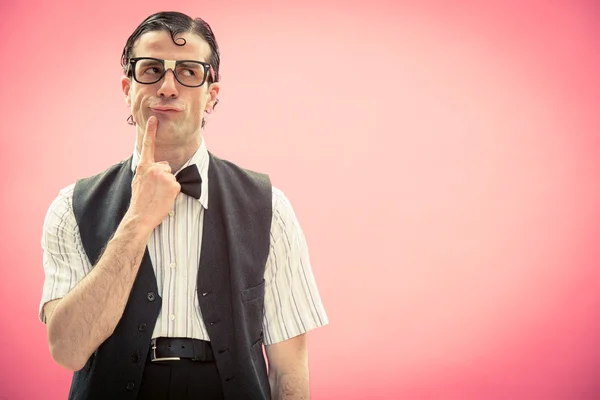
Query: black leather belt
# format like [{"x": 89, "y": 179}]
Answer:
[{"x": 169, "y": 349}]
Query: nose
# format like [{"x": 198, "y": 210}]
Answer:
[{"x": 168, "y": 86}]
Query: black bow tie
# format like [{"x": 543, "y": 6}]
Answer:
[{"x": 190, "y": 181}]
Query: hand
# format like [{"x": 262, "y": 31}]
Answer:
[{"x": 154, "y": 187}]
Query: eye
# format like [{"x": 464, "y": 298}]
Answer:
[
  {"x": 151, "y": 70},
  {"x": 192, "y": 72},
  {"x": 148, "y": 68},
  {"x": 187, "y": 72}
]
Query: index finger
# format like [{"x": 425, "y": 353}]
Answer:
[{"x": 147, "y": 156}]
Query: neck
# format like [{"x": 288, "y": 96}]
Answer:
[{"x": 176, "y": 154}]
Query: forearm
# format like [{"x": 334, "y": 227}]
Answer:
[
  {"x": 292, "y": 386},
  {"x": 89, "y": 313}
]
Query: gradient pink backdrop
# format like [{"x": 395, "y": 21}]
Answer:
[{"x": 442, "y": 158}]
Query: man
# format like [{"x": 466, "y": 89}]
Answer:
[{"x": 166, "y": 273}]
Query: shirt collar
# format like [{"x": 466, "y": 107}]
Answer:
[{"x": 200, "y": 159}]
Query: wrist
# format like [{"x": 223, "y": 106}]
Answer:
[{"x": 135, "y": 228}]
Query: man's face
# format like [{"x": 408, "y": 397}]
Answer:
[{"x": 179, "y": 108}]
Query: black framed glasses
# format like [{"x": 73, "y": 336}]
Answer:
[{"x": 190, "y": 73}]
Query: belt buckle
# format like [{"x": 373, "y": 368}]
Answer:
[{"x": 155, "y": 359}]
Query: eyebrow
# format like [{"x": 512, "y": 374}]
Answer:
[
  {"x": 151, "y": 61},
  {"x": 158, "y": 60},
  {"x": 190, "y": 62}
]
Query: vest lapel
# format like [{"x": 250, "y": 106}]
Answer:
[{"x": 115, "y": 196}]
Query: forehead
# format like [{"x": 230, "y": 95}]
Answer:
[{"x": 160, "y": 45}]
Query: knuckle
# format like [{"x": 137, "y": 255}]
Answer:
[{"x": 154, "y": 171}]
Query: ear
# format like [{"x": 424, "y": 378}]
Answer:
[
  {"x": 126, "y": 86},
  {"x": 213, "y": 92}
]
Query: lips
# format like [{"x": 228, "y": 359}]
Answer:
[{"x": 161, "y": 109}]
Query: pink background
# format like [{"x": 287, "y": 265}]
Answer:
[{"x": 442, "y": 157}]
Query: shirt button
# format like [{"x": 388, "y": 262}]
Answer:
[
  {"x": 173, "y": 265},
  {"x": 151, "y": 296},
  {"x": 172, "y": 317},
  {"x": 171, "y": 213}
]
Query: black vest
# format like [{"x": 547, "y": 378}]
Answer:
[{"x": 231, "y": 287}]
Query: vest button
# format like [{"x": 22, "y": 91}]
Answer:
[
  {"x": 135, "y": 357},
  {"x": 151, "y": 296},
  {"x": 142, "y": 327},
  {"x": 130, "y": 385}
]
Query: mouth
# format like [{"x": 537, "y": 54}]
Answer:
[{"x": 165, "y": 110}]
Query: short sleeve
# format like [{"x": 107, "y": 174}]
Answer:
[
  {"x": 292, "y": 301},
  {"x": 64, "y": 260}
]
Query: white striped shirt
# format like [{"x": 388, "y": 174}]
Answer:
[{"x": 292, "y": 301}]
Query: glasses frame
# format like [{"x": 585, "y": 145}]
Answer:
[{"x": 171, "y": 64}]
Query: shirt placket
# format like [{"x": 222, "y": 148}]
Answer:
[{"x": 172, "y": 271}]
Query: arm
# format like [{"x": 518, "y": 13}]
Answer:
[
  {"x": 288, "y": 369},
  {"x": 292, "y": 304},
  {"x": 79, "y": 322},
  {"x": 88, "y": 314}
]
